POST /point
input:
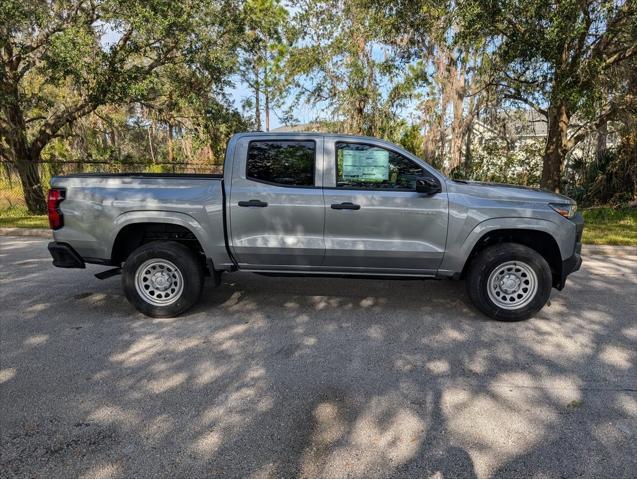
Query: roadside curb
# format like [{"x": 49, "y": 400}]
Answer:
[
  {"x": 36, "y": 232},
  {"x": 587, "y": 249}
]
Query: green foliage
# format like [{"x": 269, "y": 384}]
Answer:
[
  {"x": 614, "y": 226},
  {"x": 496, "y": 161},
  {"x": 25, "y": 221},
  {"x": 608, "y": 179}
]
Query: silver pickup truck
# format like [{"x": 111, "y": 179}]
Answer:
[{"x": 316, "y": 204}]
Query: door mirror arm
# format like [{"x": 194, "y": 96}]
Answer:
[{"x": 428, "y": 186}]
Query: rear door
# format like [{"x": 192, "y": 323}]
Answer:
[
  {"x": 276, "y": 208},
  {"x": 375, "y": 221}
]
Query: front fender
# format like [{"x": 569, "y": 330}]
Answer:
[{"x": 459, "y": 249}]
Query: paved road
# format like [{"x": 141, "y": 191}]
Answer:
[{"x": 288, "y": 377}]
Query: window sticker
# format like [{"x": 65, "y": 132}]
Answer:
[{"x": 369, "y": 165}]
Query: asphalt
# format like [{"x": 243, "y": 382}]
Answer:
[{"x": 313, "y": 377}]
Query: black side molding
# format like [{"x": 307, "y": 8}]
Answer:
[{"x": 64, "y": 256}]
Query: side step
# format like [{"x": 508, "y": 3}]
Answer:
[{"x": 108, "y": 273}]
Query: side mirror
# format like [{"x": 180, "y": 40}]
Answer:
[{"x": 428, "y": 185}]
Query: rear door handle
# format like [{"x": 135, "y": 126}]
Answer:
[
  {"x": 345, "y": 206},
  {"x": 253, "y": 203}
]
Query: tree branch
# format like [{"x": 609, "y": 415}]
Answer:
[
  {"x": 517, "y": 96},
  {"x": 613, "y": 29},
  {"x": 586, "y": 128},
  {"x": 620, "y": 56},
  {"x": 35, "y": 118},
  {"x": 50, "y": 128}
]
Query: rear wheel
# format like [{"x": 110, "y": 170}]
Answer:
[
  {"x": 509, "y": 282},
  {"x": 162, "y": 279}
]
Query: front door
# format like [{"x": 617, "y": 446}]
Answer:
[
  {"x": 276, "y": 208},
  {"x": 375, "y": 221}
]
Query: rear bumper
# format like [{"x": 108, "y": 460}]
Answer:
[
  {"x": 64, "y": 256},
  {"x": 574, "y": 262}
]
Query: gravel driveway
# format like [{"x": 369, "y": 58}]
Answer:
[{"x": 302, "y": 377}]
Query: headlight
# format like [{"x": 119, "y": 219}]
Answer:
[{"x": 567, "y": 210}]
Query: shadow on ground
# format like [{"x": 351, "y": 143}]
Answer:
[{"x": 289, "y": 377}]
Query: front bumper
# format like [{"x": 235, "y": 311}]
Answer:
[
  {"x": 64, "y": 256},
  {"x": 574, "y": 262}
]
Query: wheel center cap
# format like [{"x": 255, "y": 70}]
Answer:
[
  {"x": 509, "y": 283},
  {"x": 161, "y": 281}
]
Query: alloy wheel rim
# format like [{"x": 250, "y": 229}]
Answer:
[
  {"x": 512, "y": 285},
  {"x": 159, "y": 282}
]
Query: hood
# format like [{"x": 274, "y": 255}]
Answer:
[{"x": 505, "y": 191}]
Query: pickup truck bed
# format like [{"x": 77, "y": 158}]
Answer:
[{"x": 99, "y": 207}]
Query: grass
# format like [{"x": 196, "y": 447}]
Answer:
[
  {"x": 612, "y": 226},
  {"x": 19, "y": 217},
  {"x": 39, "y": 221}
]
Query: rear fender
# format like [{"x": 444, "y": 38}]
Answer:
[{"x": 166, "y": 217}]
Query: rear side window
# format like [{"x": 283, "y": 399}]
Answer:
[{"x": 282, "y": 162}]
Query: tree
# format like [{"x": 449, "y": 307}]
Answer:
[
  {"x": 557, "y": 56},
  {"x": 340, "y": 64},
  {"x": 99, "y": 52},
  {"x": 262, "y": 51},
  {"x": 453, "y": 73}
]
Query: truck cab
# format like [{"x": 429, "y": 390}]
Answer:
[{"x": 334, "y": 204}]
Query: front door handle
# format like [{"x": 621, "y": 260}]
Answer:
[
  {"x": 253, "y": 203},
  {"x": 345, "y": 206}
]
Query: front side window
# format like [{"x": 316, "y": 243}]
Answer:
[
  {"x": 282, "y": 162},
  {"x": 372, "y": 167}
]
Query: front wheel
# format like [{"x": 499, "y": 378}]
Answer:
[
  {"x": 162, "y": 279},
  {"x": 509, "y": 282}
]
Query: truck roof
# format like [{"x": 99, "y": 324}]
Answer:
[{"x": 275, "y": 134}]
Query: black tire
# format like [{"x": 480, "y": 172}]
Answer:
[
  {"x": 190, "y": 274},
  {"x": 493, "y": 258}
]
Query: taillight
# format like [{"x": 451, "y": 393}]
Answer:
[{"x": 54, "y": 198}]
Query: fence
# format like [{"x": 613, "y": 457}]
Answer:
[{"x": 11, "y": 195}]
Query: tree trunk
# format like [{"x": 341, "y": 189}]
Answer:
[
  {"x": 456, "y": 85},
  {"x": 556, "y": 147},
  {"x": 267, "y": 99},
  {"x": 468, "y": 154},
  {"x": 29, "y": 174},
  {"x": 171, "y": 136},
  {"x": 602, "y": 139},
  {"x": 21, "y": 155},
  {"x": 267, "y": 111},
  {"x": 431, "y": 133},
  {"x": 150, "y": 141},
  {"x": 456, "y": 148},
  {"x": 257, "y": 98}
]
